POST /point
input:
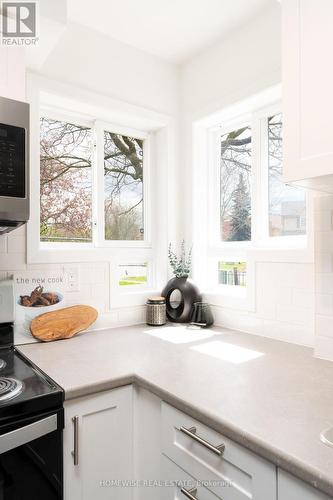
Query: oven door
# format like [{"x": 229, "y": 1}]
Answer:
[{"x": 31, "y": 458}]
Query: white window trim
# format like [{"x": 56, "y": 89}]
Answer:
[
  {"x": 261, "y": 248},
  {"x": 98, "y": 213},
  {"x": 157, "y": 128}
]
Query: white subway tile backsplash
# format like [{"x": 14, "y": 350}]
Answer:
[
  {"x": 323, "y": 220},
  {"x": 324, "y": 326},
  {"x": 323, "y": 262},
  {"x": 323, "y": 241},
  {"x": 3, "y": 244},
  {"x": 16, "y": 244},
  {"x": 294, "y": 315},
  {"x": 96, "y": 273},
  {"x": 323, "y": 226},
  {"x": 324, "y": 304},
  {"x": 323, "y": 202},
  {"x": 324, "y": 348},
  {"x": 324, "y": 283},
  {"x": 303, "y": 298},
  {"x": 298, "y": 334}
]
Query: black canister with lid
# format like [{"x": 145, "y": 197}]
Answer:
[{"x": 156, "y": 311}]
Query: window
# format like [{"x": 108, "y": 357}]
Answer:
[
  {"x": 287, "y": 206},
  {"x": 123, "y": 187},
  {"x": 235, "y": 185},
  {"x": 81, "y": 164},
  {"x": 65, "y": 182},
  {"x": 249, "y": 206},
  {"x": 232, "y": 273},
  {"x": 133, "y": 274}
]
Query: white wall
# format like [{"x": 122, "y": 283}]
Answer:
[
  {"x": 245, "y": 63},
  {"x": 248, "y": 62},
  {"x": 12, "y": 74},
  {"x": 324, "y": 276},
  {"x": 96, "y": 62},
  {"x": 91, "y": 61}
]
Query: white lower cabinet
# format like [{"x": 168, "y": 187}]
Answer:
[
  {"x": 103, "y": 446},
  {"x": 180, "y": 485},
  {"x": 291, "y": 488},
  {"x": 119, "y": 443},
  {"x": 227, "y": 469}
]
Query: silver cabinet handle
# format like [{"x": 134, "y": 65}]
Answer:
[
  {"x": 75, "y": 452},
  {"x": 191, "y": 494},
  {"x": 191, "y": 432}
]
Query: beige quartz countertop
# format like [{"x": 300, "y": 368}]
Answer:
[{"x": 272, "y": 397}]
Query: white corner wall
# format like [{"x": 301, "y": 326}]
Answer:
[
  {"x": 324, "y": 276},
  {"x": 88, "y": 59},
  {"x": 123, "y": 73},
  {"x": 246, "y": 63}
]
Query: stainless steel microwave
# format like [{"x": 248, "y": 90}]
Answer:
[{"x": 14, "y": 164}]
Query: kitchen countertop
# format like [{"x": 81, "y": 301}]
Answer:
[{"x": 272, "y": 397}]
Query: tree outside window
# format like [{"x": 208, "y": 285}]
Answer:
[
  {"x": 235, "y": 185},
  {"x": 66, "y": 156}
]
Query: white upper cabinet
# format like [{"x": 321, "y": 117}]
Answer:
[{"x": 307, "y": 78}]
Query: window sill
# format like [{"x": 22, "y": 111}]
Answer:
[{"x": 68, "y": 254}]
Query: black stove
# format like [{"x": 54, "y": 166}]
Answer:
[
  {"x": 24, "y": 388},
  {"x": 31, "y": 426}
]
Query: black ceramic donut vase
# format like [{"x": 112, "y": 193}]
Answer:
[{"x": 189, "y": 294}]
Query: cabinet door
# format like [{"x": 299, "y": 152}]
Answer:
[
  {"x": 291, "y": 488},
  {"x": 307, "y": 78},
  {"x": 104, "y": 452}
]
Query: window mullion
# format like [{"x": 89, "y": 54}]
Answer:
[
  {"x": 99, "y": 184},
  {"x": 260, "y": 185},
  {"x": 264, "y": 178}
]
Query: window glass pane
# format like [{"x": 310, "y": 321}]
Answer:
[
  {"x": 133, "y": 274},
  {"x": 232, "y": 273},
  {"x": 65, "y": 182},
  {"x": 123, "y": 187},
  {"x": 235, "y": 185},
  {"x": 287, "y": 204}
]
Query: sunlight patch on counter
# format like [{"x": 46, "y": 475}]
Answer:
[
  {"x": 227, "y": 352},
  {"x": 180, "y": 334}
]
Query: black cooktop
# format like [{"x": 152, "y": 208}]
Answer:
[{"x": 33, "y": 391}]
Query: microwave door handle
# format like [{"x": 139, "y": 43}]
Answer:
[{"x": 28, "y": 433}]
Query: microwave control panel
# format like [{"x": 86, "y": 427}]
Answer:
[{"x": 12, "y": 161}]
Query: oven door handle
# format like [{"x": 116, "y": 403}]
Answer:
[{"x": 24, "y": 435}]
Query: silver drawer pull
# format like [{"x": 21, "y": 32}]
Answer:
[
  {"x": 191, "y": 494},
  {"x": 191, "y": 432},
  {"x": 75, "y": 452}
]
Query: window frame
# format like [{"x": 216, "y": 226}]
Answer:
[
  {"x": 68, "y": 101},
  {"x": 209, "y": 250},
  {"x": 260, "y": 237},
  {"x": 100, "y": 127},
  {"x": 97, "y": 192}
]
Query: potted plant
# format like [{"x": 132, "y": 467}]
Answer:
[{"x": 180, "y": 292}]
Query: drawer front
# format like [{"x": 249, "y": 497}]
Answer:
[
  {"x": 248, "y": 475},
  {"x": 177, "y": 480}
]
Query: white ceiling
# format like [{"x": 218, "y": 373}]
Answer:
[{"x": 172, "y": 29}]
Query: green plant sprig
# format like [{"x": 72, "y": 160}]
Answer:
[{"x": 181, "y": 266}]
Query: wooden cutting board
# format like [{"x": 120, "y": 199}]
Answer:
[{"x": 62, "y": 323}]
